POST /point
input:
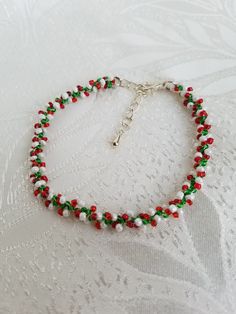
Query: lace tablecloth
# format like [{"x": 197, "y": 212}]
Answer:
[{"x": 53, "y": 265}]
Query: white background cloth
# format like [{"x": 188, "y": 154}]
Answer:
[{"x": 53, "y": 265}]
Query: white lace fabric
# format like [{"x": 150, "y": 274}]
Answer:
[{"x": 53, "y": 265}]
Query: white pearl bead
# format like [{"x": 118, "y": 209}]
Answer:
[
  {"x": 157, "y": 218},
  {"x": 102, "y": 82},
  {"x": 200, "y": 169},
  {"x": 42, "y": 169},
  {"x": 50, "y": 196},
  {"x": 56, "y": 105},
  {"x": 40, "y": 155},
  {"x": 50, "y": 117},
  {"x": 65, "y": 96},
  {"x": 183, "y": 92},
  {"x": 75, "y": 89},
  {"x": 42, "y": 142},
  {"x": 180, "y": 195},
  {"x": 138, "y": 222},
  {"x": 82, "y": 95},
  {"x": 81, "y": 203},
  {"x": 50, "y": 206},
  {"x": 99, "y": 215},
  {"x": 119, "y": 227},
  {"x": 151, "y": 211},
  {"x": 34, "y": 169},
  {"x": 173, "y": 208},
  {"x": 38, "y": 130},
  {"x": 202, "y": 138},
  {"x": 190, "y": 105},
  {"x": 82, "y": 216},
  {"x": 190, "y": 197},
  {"x": 41, "y": 116},
  {"x": 198, "y": 154},
  {"x": 208, "y": 152},
  {"x": 94, "y": 89},
  {"x": 38, "y": 184},
  {"x": 114, "y": 217},
  {"x": 199, "y": 180},
  {"x": 33, "y": 157},
  {"x": 34, "y": 144},
  {"x": 62, "y": 199},
  {"x": 103, "y": 225},
  {"x": 66, "y": 213}
]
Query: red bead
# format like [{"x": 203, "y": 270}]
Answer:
[
  {"x": 207, "y": 126},
  {"x": 125, "y": 216},
  {"x": 44, "y": 138},
  {"x": 114, "y": 224},
  {"x": 190, "y": 89},
  {"x": 185, "y": 102},
  {"x": 37, "y": 125},
  {"x": 45, "y": 178},
  {"x": 43, "y": 164},
  {"x": 36, "y": 193},
  {"x": 197, "y": 120},
  {"x": 167, "y": 211},
  {"x": 200, "y": 101},
  {"x": 197, "y": 159},
  {"x": 189, "y": 202},
  {"x": 184, "y": 187},
  {"x": 60, "y": 211},
  {"x": 93, "y": 216},
  {"x": 175, "y": 215},
  {"x": 177, "y": 201},
  {"x": 35, "y": 139},
  {"x": 176, "y": 89},
  {"x": 108, "y": 215},
  {"x": 189, "y": 177},
  {"x": 44, "y": 194},
  {"x": 113, "y": 82},
  {"x": 203, "y": 114},
  {"x": 200, "y": 129},
  {"x": 91, "y": 82},
  {"x": 153, "y": 223},
  {"x": 74, "y": 203},
  {"x": 86, "y": 93},
  {"x": 98, "y": 85},
  {"x": 197, "y": 186},
  {"x": 62, "y": 106},
  {"x": 80, "y": 88},
  {"x": 93, "y": 208},
  {"x": 77, "y": 213},
  {"x": 98, "y": 224},
  {"x": 74, "y": 99},
  {"x": 210, "y": 140},
  {"x": 187, "y": 95},
  {"x": 159, "y": 209},
  {"x": 47, "y": 203},
  {"x": 130, "y": 224},
  {"x": 201, "y": 174}
]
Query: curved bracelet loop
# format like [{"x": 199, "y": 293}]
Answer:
[{"x": 77, "y": 207}]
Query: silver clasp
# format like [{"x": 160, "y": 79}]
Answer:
[{"x": 141, "y": 91}]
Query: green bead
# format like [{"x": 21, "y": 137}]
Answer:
[
  {"x": 45, "y": 120},
  {"x": 180, "y": 87},
  {"x": 204, "y": 132}
]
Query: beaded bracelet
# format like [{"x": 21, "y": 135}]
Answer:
[{"x": 105, "y": 219}]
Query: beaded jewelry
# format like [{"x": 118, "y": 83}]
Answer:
[{"x": 77, "y": 207}]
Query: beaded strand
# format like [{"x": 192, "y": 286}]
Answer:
[{"x": 101, "y": 220}]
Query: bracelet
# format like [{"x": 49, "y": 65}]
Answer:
[{"x": 77, "y": 207}]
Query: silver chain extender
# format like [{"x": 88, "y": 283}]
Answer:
[{"x": 141, "y": 91}]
